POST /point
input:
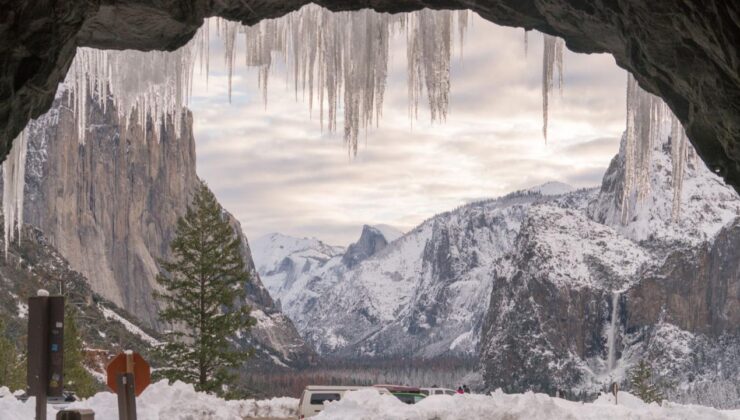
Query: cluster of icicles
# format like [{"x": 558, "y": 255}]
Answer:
[
  {"x": 647, "y": 117},
  {"x": 338, "y": 61}
]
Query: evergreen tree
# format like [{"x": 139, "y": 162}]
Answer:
[
  {"x": 642, "y": 384},
  {"x": 12, "y": 365},
  {"x": 76, "y": 377},
  {"x": 204, "y": 298}
]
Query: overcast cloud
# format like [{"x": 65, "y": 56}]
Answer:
[{"x": 275, "y": 170}]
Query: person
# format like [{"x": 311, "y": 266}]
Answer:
[
  {"x": 466, "y": 389},
  {"x": 460, "y": 390}
]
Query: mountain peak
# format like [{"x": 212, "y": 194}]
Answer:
[
  {"x": 552, "y": 188},
  {"x": 372, "y": 240}
]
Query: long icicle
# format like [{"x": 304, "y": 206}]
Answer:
[{"x": 14, "y": 177}]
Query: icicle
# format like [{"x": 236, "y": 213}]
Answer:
[
  {"x": 552, "y": 58},
  {"x": 526, "y": 42},
  {"x": 679, "y": 156},
  {"x": 645, "y": 114},
  {"x": 14, "y": 181},
  {"x": 338, "y": 61}
]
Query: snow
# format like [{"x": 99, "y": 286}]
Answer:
[
  {"x": 179, "y": 401},
  {"x": 111, "y": 315},
  {"x": 164, "y": 401},
  {"x": 22, "y": 310},
  {"x": 369, "y": 404}
]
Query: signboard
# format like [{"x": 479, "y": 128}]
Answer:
[
  {"x": 45, "y": 345},
  {"x": 140, "y": 369}
]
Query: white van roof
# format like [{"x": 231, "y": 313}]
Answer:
[
  {"x": 333, "y": 388},
  {"x": 314, "y": 388}
]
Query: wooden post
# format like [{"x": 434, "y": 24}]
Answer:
[
  {"x": 126, "y": 396},
  {"x": 129, "y": 361}
]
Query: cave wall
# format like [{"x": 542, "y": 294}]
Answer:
[{"x": 682, "y": 50}]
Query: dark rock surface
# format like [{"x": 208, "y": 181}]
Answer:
[
  {"x": 682, "y": 50},
  {"x": 698, "y": 290}
]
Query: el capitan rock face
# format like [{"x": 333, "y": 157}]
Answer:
[{"x": 110, "y": 206}]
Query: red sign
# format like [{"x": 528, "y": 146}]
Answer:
[{"x": 141, "y": 371}]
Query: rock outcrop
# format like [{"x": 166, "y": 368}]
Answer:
[
  {"x": 110, "y": 206},
  {"x": 683, "y": 51},
  {"x": 370, "y": 243}
]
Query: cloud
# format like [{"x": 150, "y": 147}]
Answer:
[{"x": 276, "y": 170}]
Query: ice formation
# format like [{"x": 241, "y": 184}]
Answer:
[
  {"x": 338, "y": 61},
  {"x": 14, "y": 173},
  {"x": 647, "y": 117},
  {"x": 679, "y": 157},
  {"x": 552, "y": 59},
  {"x": 147, "y": 86}
]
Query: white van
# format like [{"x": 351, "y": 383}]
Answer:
[{"x": 313, "y": 397}]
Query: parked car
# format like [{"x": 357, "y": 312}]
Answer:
[
  {"x": 313, "y": 397},
  {"x": 407, "y": 394},
  {"x": 437, "y": 391},
  {"x": 408, "y": 397}
]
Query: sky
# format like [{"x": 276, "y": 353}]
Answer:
[{"x": 273, "y": 168}]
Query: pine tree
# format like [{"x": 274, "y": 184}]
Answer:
[
  {"x": 642, "y": 385},
  {"x": 204, "y": 298},
  {"x": 12, "y": 365},
  {"x": 76, "y": 377}
]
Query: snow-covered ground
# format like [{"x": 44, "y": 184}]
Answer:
[
  {"x": 179, "y": 401},
  {"x": 369, "y": 404},
  {"x": 162, "y": 401}
]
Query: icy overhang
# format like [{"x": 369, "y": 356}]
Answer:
[{"x": 684, "y": 51}]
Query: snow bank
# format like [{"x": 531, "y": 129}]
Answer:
[
  {"x": 162, "y": 401},
  {"x": 369, "y": 404},
  {"x": 179, "y": 401}
]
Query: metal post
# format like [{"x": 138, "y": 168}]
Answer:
[{"x": 126, "y": 396}]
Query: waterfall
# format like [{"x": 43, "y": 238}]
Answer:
[{"x": 611, "y": 339}]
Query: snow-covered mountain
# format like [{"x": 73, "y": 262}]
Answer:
[
  {"x": 424, "y": 293},
  {"x": 547, "y": 285},
  {"x": 587, "y": 296}
]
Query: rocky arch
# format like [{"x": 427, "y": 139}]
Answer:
[{"x": 685, "y": 51}]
